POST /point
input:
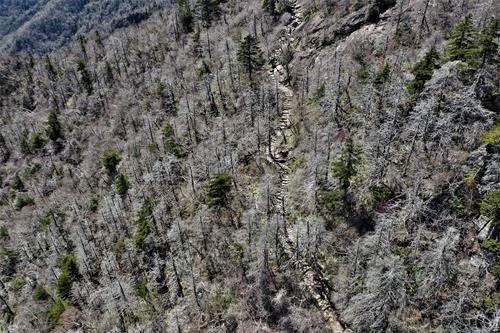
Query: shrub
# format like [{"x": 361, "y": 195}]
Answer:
[
  {"x": 490, "y": 205},
  {"x": 491, "y": 245},
  {"x": 171, "y": 143},
  {"x": 218, "y": 190},
  {"x": 110, "y": 160},
  {"x": 51, "y": 215},
  {"x": 121, "y": 184},
  {"x": 38, "y": 141},
  {"x": 17, "y": 184},
  {"x": 94, "y": 204},
  {"x": 487, "y": 301},
  {"x": 493, "y": 134},
  {"x": 141, "y": 288},
  {"x": 40, "y": 294},
  {"x": 23, "y": 200},
  {"x": 382, "y": 75},
  {"x": 119, "y": 246},
  {"x": 56, "y": 309},
  {"x": 3, "y": 232},
  {"x": 18, "y": 282},
  {"x": 381, "y": 192}
]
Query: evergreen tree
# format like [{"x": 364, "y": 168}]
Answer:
[
  {"x": 185, "y": 15},
  {"x": 121, "y": 184},
  {"x": 269, "y": 6},
  {"x": 54, "y": 129},
  {"x": 462, "y": 42},
  {"x": 250, "y": 56},
  {"x": 50, "y": 68},
  {"x": 218, "y": 190},
  {"x": 488, "y": 42},
  {"x": 346, "y": 167},
  {"x": 207, "y": 11},
  {"x": 423, "y": 71},
  {"x": 85, "y": 78}
]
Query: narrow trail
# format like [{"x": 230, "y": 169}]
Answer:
[{"x": 278, "y": 154}]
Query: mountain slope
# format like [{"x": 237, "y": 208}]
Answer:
[{"x": 254, "y": 166}]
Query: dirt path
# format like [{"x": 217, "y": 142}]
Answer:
[{"x": 278, "y": 155}]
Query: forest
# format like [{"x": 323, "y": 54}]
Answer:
[{"x": 250, "y": 166}]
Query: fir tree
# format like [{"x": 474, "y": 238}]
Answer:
[
  {"x": 250, "y": 56},
  {"x": 462, "y": 42},
  {"x": 346, "y": 167},
  {"x": 85, "y": 78},
  {"x": 488, "y": 42},
  {"x": 423, "y": 71},
  {"x": 54, "y": 129},
  {"x": 185, "y": 15}
]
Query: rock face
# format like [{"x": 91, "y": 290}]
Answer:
[{"x": 369, "y": 14}]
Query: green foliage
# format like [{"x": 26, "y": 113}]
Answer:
[
  {"x": 457, "y": 205},
  {"x": 38, "y": 140},
  {"x": 330, "y": 203},
  {"x": 250, "y": 55},
  {"x": 491, "y": 245},
  {"x": 382, "y": 74},
  {"x": 401, "y": 251},
  {"x": 381, "y": 192},
  {"x": 110, "y": 160},
  {"x": 422, "y": 71},
  {"x": 185, "y": 15},
  {"x": 363, "y": 72},
  {"x": 34, "y": 168},
  {"x": 3, "y": 232},
  {"x": 39, "y": 293},
  {"x": 143, "y": 225},
  {"x": 403, "y": 35},
  {"x": 208, "y": 10},
  {"x": 17, "y": 184},
  {"x": 119, "y": 246},
  {"x": 121, "y": 184},
  {"x": 222, "y": 299},
  {"x": 489, "y": 42},
  {"x": 108, "y": 70},
  {"x": 54, "y": 128},
  {"x": 493, "y": 134},
  {"x": 269, "y": 6},
  {"x": 462, "y": 42},
  {"x": 204, "y": 69},
  {"x": 24, "y": 144},
  {"x": 49, "y": 68},
  {"x": 490, "y": 205},
  {"x": 485, "y": 301},
  {"x": 495, "y": 270},
  {"x": 23, "y": 200},
  {"x": 51, "y": 215},
  {"x": 171, "y": 143},
  {"x": 56, "y": 309},
  {"x": 85, "y": 77},
  {"x": 347, "y": 165},
  {"x": 94, "y": 203},
  {"x": 70, "y": 273},
  {"x": 141, "y": 288},
  {"x": 218, "y": 190},
  {"x": 317, "y": 95},
  {"x": 18, "y": 282}
]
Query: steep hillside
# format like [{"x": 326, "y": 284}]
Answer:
[
  {"x": 45, "y": 25},
  {"x": 252, "y": 166}
]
